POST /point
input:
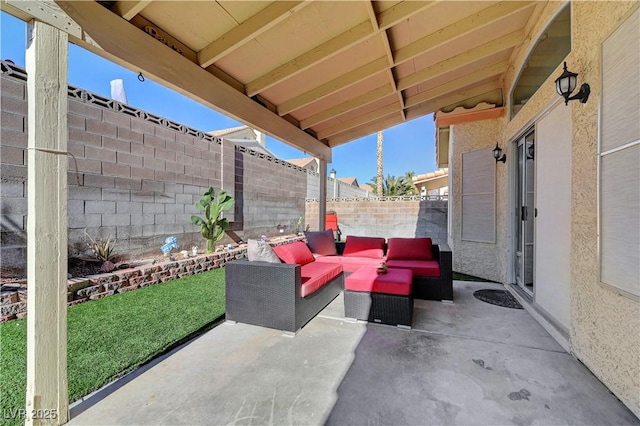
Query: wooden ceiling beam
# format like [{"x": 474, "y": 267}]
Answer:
[
  {"x": 458, "y": 29},
  {"x": 339, "y": 83},
  {"x": 411, "y": 114},
  {"x": 257, "y": 24},
  {"x": 128, "y": 9},
  {"x": 457, "y": 84},
  {"x": 359, "y": 120},
  {"x": 389, "y": 52},
  {"x": 339, "y": 44},
  {"x": 347, "y": 106},
  {"x": 365, "y": 130},
  {"x": 326, "y": 50},
  {"x": 401, "y": 12},
  {"x": 463, "y": 59},
  {"x": 435, "y": 104},
  {"x": 137, "y": 51}
]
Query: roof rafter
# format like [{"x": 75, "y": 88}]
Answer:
[
  {"x": 330, "y": 48},
  {"x": 127, "y": 9},
  {"x": 359, "y": 120},
  {"x": 347, "y": 106},
  {"x": 457, "y": 29},
  {"x": 465, "y": 58},
  {"x": 338, "y": 44},
  {"x": 457, "y": 84},
  {"x": 324, "y": 90},
  {"x": 365, "y": 130},
  {"x": 411, "y": 114},
  {"x": 257, "y": 24},
  {"x": 119, "y": 39},
  {"x": 437, "y": 103}
]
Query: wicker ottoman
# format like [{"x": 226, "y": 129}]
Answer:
[{"x": 382, "y": 298}]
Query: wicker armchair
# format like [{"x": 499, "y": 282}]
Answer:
[
  {"x": 268, "y": 295},
  {"x": 437, "y": 288}
]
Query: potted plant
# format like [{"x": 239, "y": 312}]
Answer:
[{"x": 213, "y": 225}]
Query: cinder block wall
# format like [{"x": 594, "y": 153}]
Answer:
[
  {"x": 387, "y": 217},
  {"x": 334, "y": 186},
  {"x": 136, "y": 176}
]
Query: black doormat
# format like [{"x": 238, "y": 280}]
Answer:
[{"x": 498, "y": 297}]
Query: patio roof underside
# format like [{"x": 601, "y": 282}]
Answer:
[{"x": 314, "y": 74}]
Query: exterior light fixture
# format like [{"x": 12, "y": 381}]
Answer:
[
  {"x": 566, "y": 84},
  {"x": 498, "y": 155},
  {"x": 281, "y": 227},
  {"x": 332, "y": 174},
  {"x": 531, "y": 150}
]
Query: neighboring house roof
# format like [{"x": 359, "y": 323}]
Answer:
[
  {"x": 244, "y": 136},
  {"x": 349, "y": 180},
  {"x": 302, "y": 162},
  {"x": 433, "y": 180},
  {"x": 367, "y": 187},
  {"x": 224, "y": 132}
]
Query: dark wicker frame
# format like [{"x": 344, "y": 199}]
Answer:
[
  {"x": 431, "y": 288},
  {"x": 378, "y": 307},
  {"x": 268, "y": 295}
]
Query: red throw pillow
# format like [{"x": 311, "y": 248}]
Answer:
[
  {"x": 364, "y": 247},
  {"x": 296, "y": 253},
  {"x": 409, "y": 249},
  {"x": 321, "y": 242}
]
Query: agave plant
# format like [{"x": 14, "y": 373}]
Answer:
[{"x": 213, "y": 225}]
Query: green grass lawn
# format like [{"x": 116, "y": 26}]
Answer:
[{"x": 112, "y": 336}]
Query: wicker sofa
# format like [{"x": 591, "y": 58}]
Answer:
[
  {"x": 284, "y": 296},
  {"x": 432, "y": 279}
]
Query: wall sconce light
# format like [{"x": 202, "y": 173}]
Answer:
[
  {"x": 498, "y": 155},
  {"x": 531, "y": 150},
  {"x": 281, "y": 228},
  {"x": 332, "y": 174},
  {"x": 566, "y": 84}
]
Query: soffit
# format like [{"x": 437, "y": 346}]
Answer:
[{"x": 350, "y": 67}]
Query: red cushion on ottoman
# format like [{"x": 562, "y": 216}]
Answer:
[{"x": 367, "y": 279}]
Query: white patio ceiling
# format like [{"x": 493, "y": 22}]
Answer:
[{"x": 314, "y": 74}]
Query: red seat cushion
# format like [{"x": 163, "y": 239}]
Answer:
[
  {"x": 364, "y": 247},
  {"x": 315, "y": 275},
  {"x": 350, "y": 264},
  {"x": 296, "y": 253},
  {"x": 420, "y": 268},
  {"x": 395, "y": 281},
  {"x": 409, "y": 249}
]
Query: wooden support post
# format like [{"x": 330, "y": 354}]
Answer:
[
  {"x": 322, "y": 208},
  {"x": 47, "y": 395}
]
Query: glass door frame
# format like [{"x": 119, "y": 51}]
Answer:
[{"x": 522, "y": 259}]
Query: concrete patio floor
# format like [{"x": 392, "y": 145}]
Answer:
[{"x": 464, "y": 363}]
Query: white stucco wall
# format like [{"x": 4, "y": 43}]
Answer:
[
  {"x": 485, "y": 260},
  {"x": 604, "y": 326}
]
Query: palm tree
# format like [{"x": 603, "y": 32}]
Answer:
[
  {"x": 395, "y": 186},
  {"x": 380, "y": 177},
  {"x": 409, "y": 178}
]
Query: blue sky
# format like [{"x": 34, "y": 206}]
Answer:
[{"x": 407, "y": 147}]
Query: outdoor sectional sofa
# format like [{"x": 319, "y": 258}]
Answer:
[
  {"x": 286, "y": 296},
  {"x": 431, "y": 264}
]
